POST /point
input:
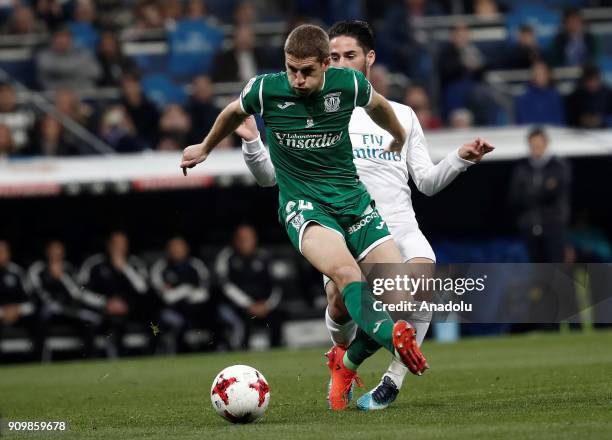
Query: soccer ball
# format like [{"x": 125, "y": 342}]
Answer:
[{"x": 240, "y": 394}]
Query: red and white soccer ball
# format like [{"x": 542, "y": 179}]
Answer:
[{"x": 240, "y": 394}]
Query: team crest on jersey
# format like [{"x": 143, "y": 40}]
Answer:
[
  {"x": 309, "y": 122},
  {"x": 331, "y": 101}
]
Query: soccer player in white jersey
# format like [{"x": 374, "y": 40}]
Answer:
[{"x": 385, "y": 175}]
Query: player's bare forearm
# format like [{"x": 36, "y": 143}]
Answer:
[
  {"x": 383, "y": 115},
  {"x": 228, "y": 120}
]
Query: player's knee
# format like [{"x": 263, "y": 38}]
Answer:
[{"x": 345, "y": 274}]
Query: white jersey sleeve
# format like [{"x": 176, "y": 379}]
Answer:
[
  {"x": 430, "y": 178},
  {"x": 258, "y": 162}
]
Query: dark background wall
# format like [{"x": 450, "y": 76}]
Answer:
[{"x": 474, "y": 207}]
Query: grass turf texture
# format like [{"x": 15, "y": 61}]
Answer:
[{"x": 533, "y": 386}]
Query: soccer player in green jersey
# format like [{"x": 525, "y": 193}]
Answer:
[{"x": 327, "y": 212}]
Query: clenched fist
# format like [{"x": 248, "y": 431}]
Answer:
[{"x": 192, "y": 155}]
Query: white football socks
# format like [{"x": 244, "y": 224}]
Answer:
[{"x": 341, "y": 334}]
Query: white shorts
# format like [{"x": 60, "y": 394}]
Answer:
[{"x": 411, "y": 243}]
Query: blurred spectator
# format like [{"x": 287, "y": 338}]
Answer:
[
  {"x": 172, "y": 10},
  {"x": 7, "y": 147},
  {"x": 461, "y": 118},
  {"x": 17, "y": 308},
  {"x": 541, "y": 103},
  {"x": 459, "y": 59},
  {"x": 143, "y": 112},
  {"x": 196, "y": 10},
  {"x": 183, "y": 283},
  {"x": 112, "y": 61},
  {"x": 83, "y": 27},
  {"x": 51, "y": 12},
  {"x": 201, "y": 107},
  {"x": 19, "y": 119},
  {"x": 417, "y": 99},
  {"x": 540, "y": 190},
  {"x": 245, "y": 14},
  {"x": 398, "y": 46},
  {"x": 50, "y": 140},
  {"x": 119, "y": 281},
  {"x": 69, "y": 104},
  {"x": 61, "y": 299},
  {"x": 573, "y": 45},
  {"x": 328, "y": 11},
  {"x": 526, "y": 51},
  {"x": 244, "y": 274},
  {"x": 175, "y": 123},
  {"x": 148, "y": 15},
  {"x": 540, "y": 193},
  {"x": 23, "y": 21},
  {"x": 242, "y": 61},
  {"x": 117, "y": 129},
  {"x": 193, "y": 42},
  {"x": 65, "y": 65},
  {"x": 416, "y": 9},
  {"x": 379, "y": 78},
  {"x": 590, "y": 105},
  {"x": 169, "y": 143},
  {"x": 486, "y": 9}
]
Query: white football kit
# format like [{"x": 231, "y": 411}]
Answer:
[{"x": 385, "y": 174}]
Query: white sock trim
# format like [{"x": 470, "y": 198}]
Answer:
[{"x": 340, "y": 334}]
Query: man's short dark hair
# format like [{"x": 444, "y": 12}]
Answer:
[
  {"x": 357, "y": 29},
  {"x": 538, "y": 130},
  {"x": 307, "y": 41}
]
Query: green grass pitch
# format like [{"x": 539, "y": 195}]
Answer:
[{"x": 540, "y": 386}]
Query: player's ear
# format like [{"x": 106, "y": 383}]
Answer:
[
  {"x": 370, "y": 58},
  {"x": 326, "y": 63}
]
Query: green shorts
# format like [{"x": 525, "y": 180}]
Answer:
[{"x": 361, "y": 232}]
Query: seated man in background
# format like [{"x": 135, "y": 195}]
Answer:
[
  {"x": 119, "y": 280},
  {"x": 61, "y": 299},
  {"x": 17, "y": 309},
  {"x": 244, "y": 274},
  {"x": 183, "y": 283},
  {"x": 65, "y": 64}
]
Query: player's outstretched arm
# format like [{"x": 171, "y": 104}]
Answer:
[
  {"x": 228, "y": 120},
  {"x": 383, "y": 115},
  {"x": 255, "y": 154},
  {"x": 430, "y": 178}
]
